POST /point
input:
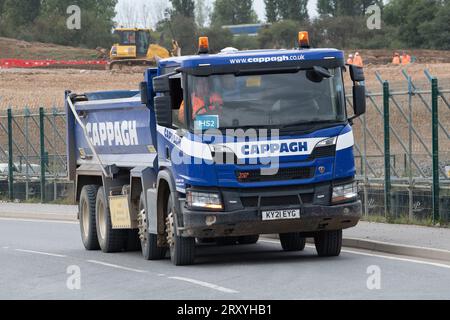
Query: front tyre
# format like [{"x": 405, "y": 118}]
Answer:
[
  {"x": 292, "y": 242},
  {"x": 182, "y": 250},
  {"x": 328, "y": 243},
  {"x": 88, "y": 226},
  {"x": 149, "y": 242}
]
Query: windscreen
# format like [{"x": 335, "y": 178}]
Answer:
[
  {"x": 127, "y": 38},
  {"x": 278, "y": 100}
]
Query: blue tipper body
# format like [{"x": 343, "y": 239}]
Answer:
[{"x": 125, "y": 135}]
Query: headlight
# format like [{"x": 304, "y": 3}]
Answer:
[
  {"x": 327, "y": 142},
  {"x": 203, "y": 200},
  {"x": 345, "y": 192}
]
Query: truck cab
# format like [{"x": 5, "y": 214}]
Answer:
[{"x": 244, "y": 143}]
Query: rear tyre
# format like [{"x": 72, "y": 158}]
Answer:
[
  {"x": 88, "y": 226},
  {"x": 110, "y": 240},
  {"x": 182, "y": 250},
  {"x": 328, "y": 243},
  {"x": 248, "y": 239},
  {"x": 291, "y": 242},
  {"x": 149, "y": 242}
]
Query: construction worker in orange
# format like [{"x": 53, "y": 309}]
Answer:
[
  {"x": 357, "y": 60},
  {"x": 350, "y": 59},
  {"x": 396, "y": 59},
  {"x": 406, "y": 59},
  {"x": 203, "y": 101}
]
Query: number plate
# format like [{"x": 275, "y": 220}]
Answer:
[{"x": 281, "y": 215}]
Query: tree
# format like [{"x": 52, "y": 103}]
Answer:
[
  {"x": 277, "y": 10},
  {"x": 409, "y": 17},
  {"x": 182, "y": 29},
  {"x": 326, "y": 7},
  {"x": 231, "y": 12},
  {"x": 184, "y": 8},
  {"x": 20, "y": 13},
  {"x": 219, "y": 38},
  {"x": 272, "y": 14},
  {"x": 437, "y": 31},
  {"x": 335, "y": 8},
  {"x": 97, "y": 21},
  {"x": 201, "y": 15},
  {"x": 280, "y": 35},
  {"x": 296, "y": 10}
]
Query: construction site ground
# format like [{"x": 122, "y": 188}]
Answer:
[{"x": 33, "y": 88}]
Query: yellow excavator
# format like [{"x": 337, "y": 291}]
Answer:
[{"x": 135, "y": 49}]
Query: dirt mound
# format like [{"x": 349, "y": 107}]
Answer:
[
  {"x": 45, "y": 88},
  {"x": 384, "y": 56},
  {"x": 18, "y": 49}
]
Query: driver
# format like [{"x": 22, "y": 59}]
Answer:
[{"x": 203, "y": 100}]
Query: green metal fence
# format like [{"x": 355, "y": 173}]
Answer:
[
  {"x": 402, "y": 148},
  {"x": 32, "y": 154}
]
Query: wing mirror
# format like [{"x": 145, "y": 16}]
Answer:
[{"x": 357, "y": 74}]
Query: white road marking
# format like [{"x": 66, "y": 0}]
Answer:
[
  {"x": 5, "y": 247},
  {"x": 37, "y": 220},
  {"x": 434, "y": 264},
  {"x": 205, "y": 284},
  {"x": 116, "y": 266},
  {"x": 41, "y": 253}
]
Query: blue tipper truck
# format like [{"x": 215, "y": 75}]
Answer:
[{"x": 219, "y": 148}]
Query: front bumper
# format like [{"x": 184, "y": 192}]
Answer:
[{"x": 244, "y": 222}]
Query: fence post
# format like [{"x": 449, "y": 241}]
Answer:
[
  {"x": 387, "y": 149},
  {"x": 10, "y": 158},
  {"x": 435, "y": 135},
  {"x": 43, "y": 155}
]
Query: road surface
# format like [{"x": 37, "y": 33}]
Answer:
[{"x": 46, "y": 260}]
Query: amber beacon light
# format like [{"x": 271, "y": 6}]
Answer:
[
  {"x": 203, "y": 45},
  {"x": 303, "y": 40}
]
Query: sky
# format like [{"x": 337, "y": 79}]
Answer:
[{"x": 124, "y": 7}]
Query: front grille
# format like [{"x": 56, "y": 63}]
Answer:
[
  {"x": 280, "y": 201},
  {"x": 252, "y": 202},
  {"x": 323, "y": 152},
  {"x": 283, "y": 174}
]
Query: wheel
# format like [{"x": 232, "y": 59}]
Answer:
[
  {"x": 328, "y": 243},
  {"x": 182, "y": 250},
  {"x": 248, "y": 239},
  {"x": 88, "y": 226},
  {"x": 149, "y": 242},
  {"x": 292, "y": 242},
  {"x": 227, "y": 241},
  {"x": 110, "y": 240}
]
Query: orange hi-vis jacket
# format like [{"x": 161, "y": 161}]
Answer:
[
  {"x": 396, "y": 60},
  {"x": 358, "y": 61},
  {"x": 406, "y": 59},
  {"x": 200, "y": 106}
]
